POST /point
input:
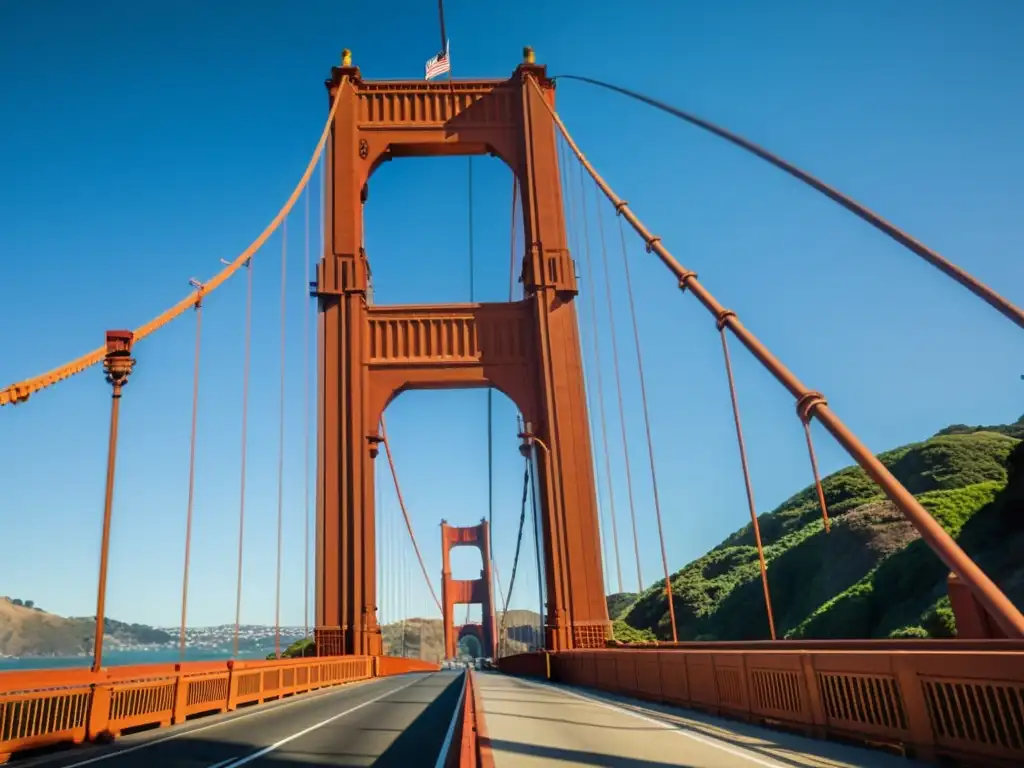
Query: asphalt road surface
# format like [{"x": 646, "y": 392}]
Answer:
[
  {"x": 533, "y": 724},
  {"x": 393, "y": 721}
]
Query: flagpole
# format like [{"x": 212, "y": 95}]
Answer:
[{"x": 444, "y": 38}]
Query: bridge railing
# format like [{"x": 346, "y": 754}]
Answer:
[
  {"x": 966, "y": 704},
  {"x": 40, "y": 708}
]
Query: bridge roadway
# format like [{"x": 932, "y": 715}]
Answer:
[
  {"x": 388, "y": 722},
  {"x": 406, "y": 721}
]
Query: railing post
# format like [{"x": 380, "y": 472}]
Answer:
[
  {"x": 118, "y": 367},
  {"x": 99, "y": 711},
  {"x": 180, "y": 696},
  {"x": 919, "y": 722},
  {"x": 815, "y": 707},
  {"x": 232, "y": 703}
]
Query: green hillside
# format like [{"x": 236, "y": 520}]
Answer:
[{"x": 872, "y": 576}]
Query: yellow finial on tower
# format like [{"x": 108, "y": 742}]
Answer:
[
  {"x": 528, "y": 57},
  {"x": 346, "y": 58}
]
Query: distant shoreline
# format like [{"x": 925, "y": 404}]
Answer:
[{"x": 115, "y": 658}]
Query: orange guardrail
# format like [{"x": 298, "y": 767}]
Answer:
[
  {"x": 469, "y": 746},
  {"x": 462, "y": 723},
  {"x": 965, "y": 704},
  {"x": 396, "y": 665},
  {"x": 40, "y": 708}
]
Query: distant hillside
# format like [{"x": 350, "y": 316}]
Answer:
[
  {"x": 418, "y": 638},
  {"x": 872, "y": 576},
  {"x": 25, "y": 630}
]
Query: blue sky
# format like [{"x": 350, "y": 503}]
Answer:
[{"x": 142, "y": 143}]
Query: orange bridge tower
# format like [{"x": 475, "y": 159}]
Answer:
[
  {"x": 529, "y": 349},
  {"x": 467, "y": 591}
]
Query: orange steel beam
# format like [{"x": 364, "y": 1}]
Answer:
[
  {"x": 968, "y": 281},
  {"x": 811, "y": 403}
]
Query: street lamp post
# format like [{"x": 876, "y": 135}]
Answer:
[{"x": 117, "y": 365}]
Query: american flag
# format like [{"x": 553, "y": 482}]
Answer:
[{"x": 439, "y": 64}]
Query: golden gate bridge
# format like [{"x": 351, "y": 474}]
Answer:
[{"x": 961, "y": 699}]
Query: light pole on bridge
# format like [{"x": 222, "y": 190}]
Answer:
[{"x": 117, "y": 366}]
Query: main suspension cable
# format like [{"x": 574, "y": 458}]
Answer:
[
  {"x": 20, "y": 391},
  {"x": 1006, "y": 614},
  {"x": 647, "y": 428},
  {"x": 618, "y": 384},
  {"x": 191, "y": 468},
  {"x": 968, "y": 281}
]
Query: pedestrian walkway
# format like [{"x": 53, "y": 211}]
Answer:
[{"x": 532, "y": 723}]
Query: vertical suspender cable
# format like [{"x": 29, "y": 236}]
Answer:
[
  {"x": 319, "y": 398},
  {"x": 378, "y": 543},
  {"x": 618, "y": 384},
  {"x": 245, "y": 422},
  {"x": 600, "y": 383},
  {"x": 746, "y": 479},
  {"x": 405, "y": 511},
  {"x": 404, "y": 595},
  {"x": 647, "y": 427},
  {"x": 305, "y": 418},
  {"x": 280, "y": 440},
  {"x": 511, "y": 293},
  {"x": 191, "y": 469},
  {"x": 470, "y": 196},
  {"x": 387, "y": 602},
  {"x": 490, "y": 394},
  {"x": 515, "y": 560},
  {"x": 512, "y": 257},
  {"x": 385, "y": 556},
  {"x": 537, "y": 534},
  {"x": 574, "y": 246}
]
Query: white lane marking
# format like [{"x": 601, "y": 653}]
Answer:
[
  {"x": 324, "y": 693},
  {"x": 661, "y": 723},
  {"x": 447, "y": 744},
  {"x": 310, "y": 729},
  {"x": 221, "y": 764}
]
